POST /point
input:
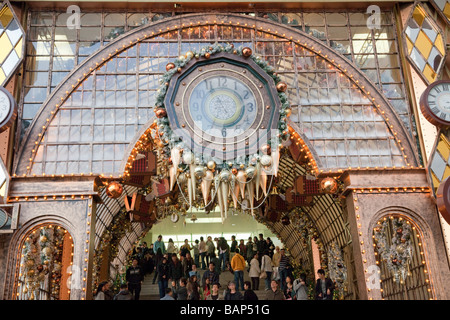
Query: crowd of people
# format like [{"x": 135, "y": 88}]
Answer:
[{"x": 182, "y": 277}]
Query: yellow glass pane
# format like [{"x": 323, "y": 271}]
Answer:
[
  {"x": 429, "y": 73},
  {"x": 423, "y": 44},
  {"x": 446, "y": 173},
  {"x": 19, "y": 48},
  {"x": 443, "y": 149},
  {"x": 2, "y": 76},
  {"x": 5, "y": 47},
  {"x": 435, "y": 180},
  {"x": 409, "y": 44},
  {"x": 439, "y": 44},
  {"x": 5, "y": 16},
  {"x": 447, "y": 10},
  {"x": 419, "y": 15}
]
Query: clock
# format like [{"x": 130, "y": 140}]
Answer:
[
  {"x": 8, "y": 109},
  {"x": 223, "y": 106},
  {"x": 435, "y": 103}
]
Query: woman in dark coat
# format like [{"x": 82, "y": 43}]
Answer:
[{"x": 156, "y": 260}]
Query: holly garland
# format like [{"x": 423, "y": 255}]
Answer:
[
  {"x": 338, "y": 270},
  {"x": 397, "y": 253},
  {"x": 41, "y": 261},
  {"x": 307, "y": 230},
  {"x": 168, "y": 140}
]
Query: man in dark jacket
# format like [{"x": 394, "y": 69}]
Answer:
[
  {"x": 176, "y": 269},
  {"x": 275, "y": 293},
  {"x": 123, "y": 294},
  {"x": 324, "y": 287},
  {"x": 134, "y": 277},
  {"x": 187, "y": 264},
  {"x": 210, "y": 274},
  {"x": 262, "y": 246}
]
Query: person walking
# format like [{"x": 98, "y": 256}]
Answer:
[
  {"x": 134, "y": 277},
  {"x": 232, "y": 293},
  {"x": 163, "y": 276},
  {"x": 196, "y": 252},
  {"x": 266, "y": 265},
  {"x": 184, "y": 249},
  {"x": 157, "y": 260},
  {"x": 175, "y": 270},
  {"x": 242, "y": 249},
  {"x": 324, "y": 286},
  {"x": 171, "y": 249},
  {"x": 180, "y": 291},
  {"x": 216, "y": 263},
  {"x": 300, "y": 288},
  {"x": 203, "y": 250},
  {"x": 270, "y": 246},
  {"x": 255, "y": 272},
  {"x": 223, "y": 248},
  {"x": 103, "y": 291},
  {"x": 274, "y": 293},
  {"x": 123, "y": 294},
  {"x": 159, "y": 244},
  {"x": 276, "y": 261},
  {"x": 210, "y": 249},
  {"x": 215, "y": 295},
  {"x": 261, "y": 245},
  {"x": 187, "y": 263},
  {"x": 211, "y": 275},
  {"x": 233, "y": 247},
  {"x": 238, "y": 266},
  {"x": 283, "y": 268},
  {"x": 249, "y": 250},
  {"x": 249, "y": 294}
]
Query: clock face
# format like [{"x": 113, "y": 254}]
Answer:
[
  {"x": 223, "y": 106},
  {"x": 439, "y": 101},
  {"x": 5, "y": 106},
  {"x": 435, "y": 103}
]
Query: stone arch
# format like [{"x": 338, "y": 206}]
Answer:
[
  {"x": 425, "y": 235},
  {"x": 38, "y": 129},
  {"x": 17, "y": 240}
]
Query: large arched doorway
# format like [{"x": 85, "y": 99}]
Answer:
[{"x": 100, "y": 117}]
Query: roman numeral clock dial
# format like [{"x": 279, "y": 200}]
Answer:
[{"x": 435, "y": 103}]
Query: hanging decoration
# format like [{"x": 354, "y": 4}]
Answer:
[
  {"x": 338, "y": 270},
  {"x": 396, "y": 249},
  {"x": 41, "y": 263},
  {"x": 204, "y": 181}
]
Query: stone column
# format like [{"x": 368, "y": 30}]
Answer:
[{"x": 373, "y": 194}]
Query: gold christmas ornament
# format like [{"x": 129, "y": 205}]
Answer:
[
  {"x": 160, "y": 112},
  {"x": 328, "y": 185},
  {"x": 114, "y": 190},
  {"x": 189, "y": 55},
  {"x": 170, "y": 66},
  {"x": 207, "y": 55},
  {"x": 281, "y": 86},
  {"x": 247, "y": 52}
]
